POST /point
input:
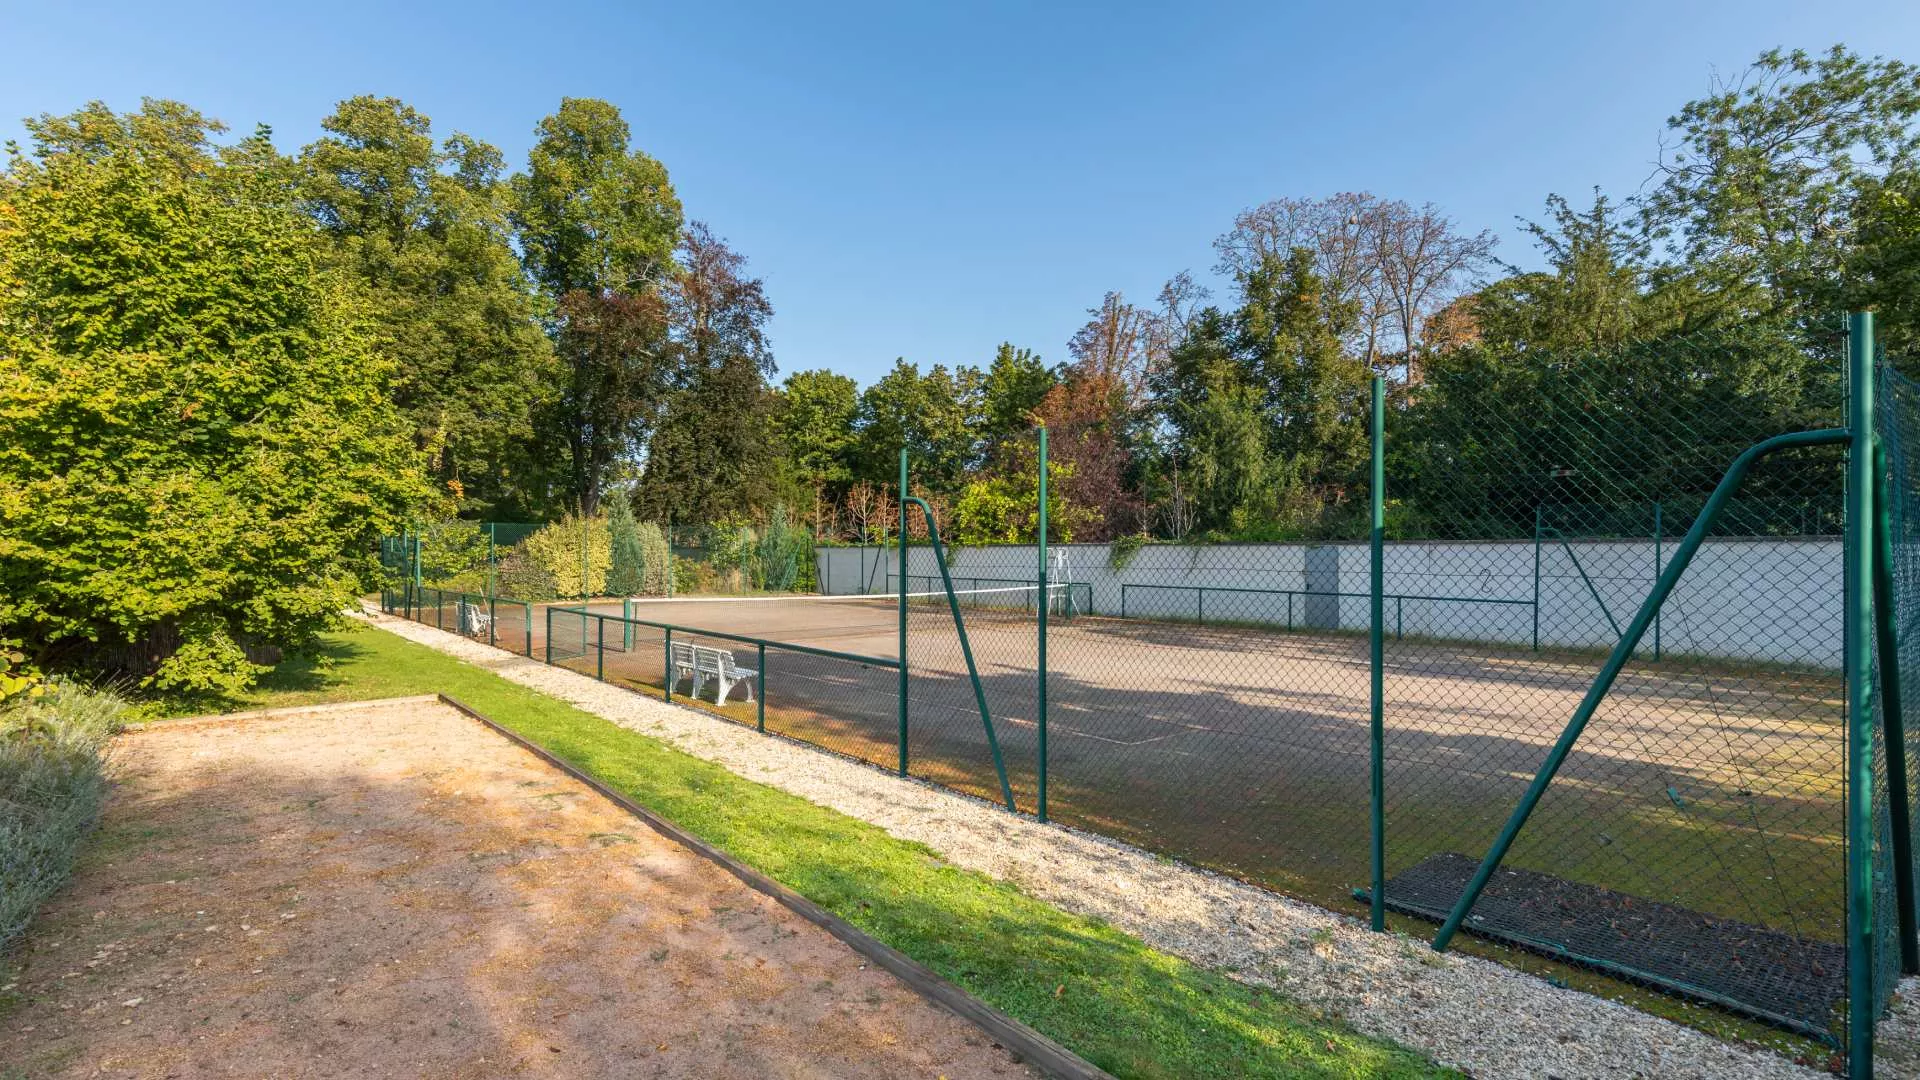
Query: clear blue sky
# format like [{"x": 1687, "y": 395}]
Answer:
[{"x": 927, "y": 180}]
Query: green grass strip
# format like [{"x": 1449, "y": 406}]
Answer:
[{"x": 1107, "y": 996}]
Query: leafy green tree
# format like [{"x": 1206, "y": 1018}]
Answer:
[
  {"x": 816, "y": 415},
  {"x": 195, "y": 432},
  {"x": 1001, "y": 507},
  {"x": 1313, "y": 394},
  {"x": 1884, "y": 264},
  {"x": 934, "y": 416},
  {"x": 1014, "y": 386},
  {"x": 1264, "y": 406},
  {"x": 714, "y": 455},
  {"x": 716, "y": 451},
  {"x": 425, "y": 229},
  {"x": 597, "y": 223},
  {"x": 620, "y": 373},
  {"x": 594, "y": 214},
  {"x": 1755, "y": 194}
]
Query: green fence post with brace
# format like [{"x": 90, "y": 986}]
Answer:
[
  {"x": 1617, "y": 659},
  {"x": 1858, "y": 650}
]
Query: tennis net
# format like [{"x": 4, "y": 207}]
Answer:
[{"x": 800, "y": 618}]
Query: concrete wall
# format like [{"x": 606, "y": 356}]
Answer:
[{"x": 1775, "y": 600}]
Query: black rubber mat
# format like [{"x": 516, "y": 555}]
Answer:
[{"x": 1772, "y": 976}]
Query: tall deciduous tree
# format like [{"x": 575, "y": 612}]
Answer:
[
  {"x": 1015, "y": 384},
  {"x": 424, "y": 227},
  {"x": 594, "y": 214},
  {"x": 816, "y": 415},
  {"x": 933, "y": 416},
  {"x": 620, "y": 372},
  {"x": 716, "y": 452},
  {"x": 1384, "y": 266},
  {"x": 1756, "y": 190},
  {"x": 598, "y": 221}
]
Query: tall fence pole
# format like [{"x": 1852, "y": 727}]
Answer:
[
  {"x": 1858, "y": 557},
  {"x": 1045, "y": 603},
  {"x": 1892, "y": 717},
  {"x": 1377, "y": 658},
  {"x": 1536, "y": 576},
  {"x": 902, "y": 542}
]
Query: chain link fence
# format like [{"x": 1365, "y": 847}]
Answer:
[{"x": 1212, "y": 698}]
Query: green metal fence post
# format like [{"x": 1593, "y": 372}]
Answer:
[
  {"x": 1656, "y": 577},
  {"x": 527, "y": 616},
  {"x": 490, "y": 557},
  {"x": 1893, "y": 719},
  {"x": 626, "y": 612},
  {"x": 1537, "y": 508},
  {"x": 1376, "y": 647},
  {"x": 1041, "y": 692},
  {"x": 599, "y": 644},
  {"x": 549, "y": 642},
  {"x": 666, "y": 657},
  {"x": 902, "y": 546},
  {"x": 1617, "y": 660},
  {"x": 1861, "y": 1011},
  {"x": 760, "y": 693}
]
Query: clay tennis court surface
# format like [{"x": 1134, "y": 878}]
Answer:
[{"x": 395, "y": 890}]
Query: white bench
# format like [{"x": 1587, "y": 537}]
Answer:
[
  {"x": 719, "y": 666},
  {"x": 683, "y": 668},
  {"x": 700, "y": 664},
  {"x": 472, "y": 621}
]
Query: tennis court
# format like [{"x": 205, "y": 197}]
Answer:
[{"x": 1246, "y": 749}]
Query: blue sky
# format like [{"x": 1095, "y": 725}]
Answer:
[{"x": 927, "y": 180}]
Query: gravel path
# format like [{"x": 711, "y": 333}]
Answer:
[{"x": 1466, "y": 1012}]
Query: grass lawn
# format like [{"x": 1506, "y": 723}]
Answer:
[{"x": 1123, "y": 1006}]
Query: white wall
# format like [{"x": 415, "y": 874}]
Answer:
[{"x": 1775, "y": 600}]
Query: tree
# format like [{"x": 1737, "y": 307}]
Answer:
[
  {"x": 1884, "y": 264},
  {"x": 1262, "y": 406},
  {"x": 1757, "y": 190},
  {"x": 1600, "y": 289},
  {"x": 425, "y": 229},
  {"x": 816, "y": 414},
  {"x": 196, "y": 435},
  {"x": 1015, "y": 384},
  {"x": 935, "y": 417},
  {"x": 1423, "y": 264},
  {"x": 593, "y": 214},
  {"x": 1382, "y": 264},
  {"x": 1339, "y": 231},
  {"x": 620, "y": 373},
  {"x": 715, "y": 453},
  {"x": 1090, "y": 446},
  {"x": 598, "y": 223},
  {"x": 627, "y": 572}
]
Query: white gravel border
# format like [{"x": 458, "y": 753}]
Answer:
[{"x": 1472, "y": 1014}]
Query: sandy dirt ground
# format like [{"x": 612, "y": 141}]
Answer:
[{"x": 397, "y": 891}]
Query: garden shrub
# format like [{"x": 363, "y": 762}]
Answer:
[
  {"x": 52, "y": 782},
  {"x": 198, "y": 449}
]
